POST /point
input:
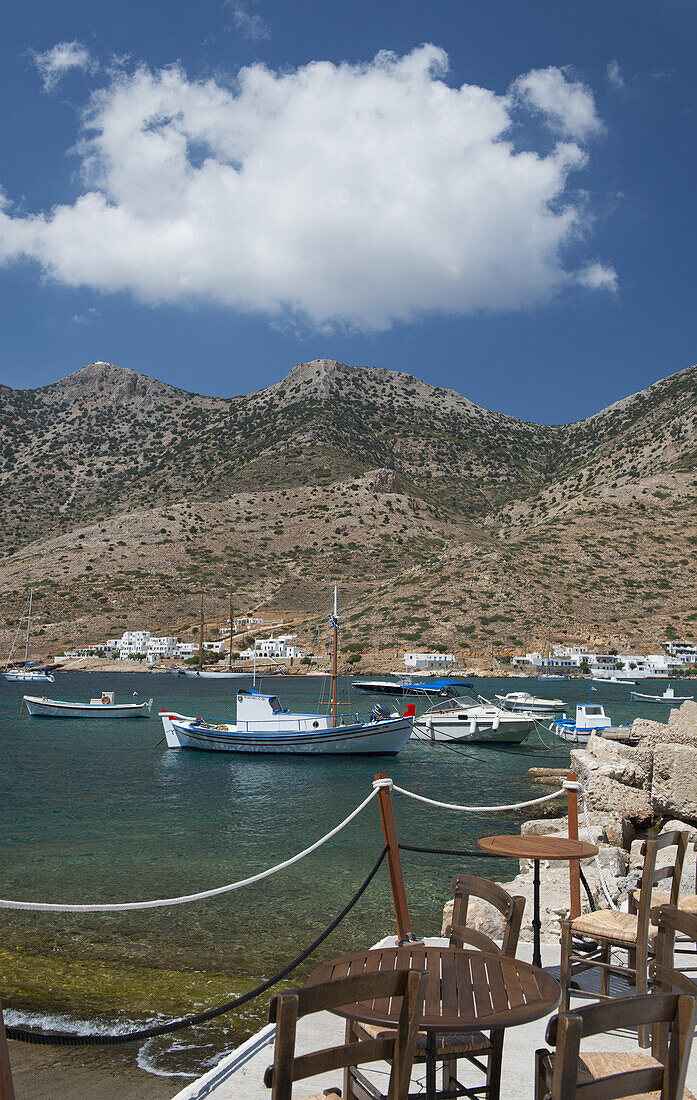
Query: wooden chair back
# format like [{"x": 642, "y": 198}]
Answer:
[
  {"x": 7, "y": 1091},
  {"x": 653, "y": 876},
  {"x": 397, "y": 1046},
  {"x": 511, "y": 909},
  {"x": 565, "y": 1031},
  {"x": 666, "y": 978}
]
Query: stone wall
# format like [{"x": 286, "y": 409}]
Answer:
[{"x": 630, "y": 788}]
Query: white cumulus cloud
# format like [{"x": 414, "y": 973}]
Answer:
[
  {"x": 60, "y": 59},
  {"x": 597, "y": 276},
  {"x": 336, "y": 194},
  {"x": 568, "y": 106}
]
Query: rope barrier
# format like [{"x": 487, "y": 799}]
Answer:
[
  {"x": 42, "y": 1038},
  {"x": 473, "y": 809},
  {"x": 596, "y": 858},
  {"x": 120, "y": 907}
]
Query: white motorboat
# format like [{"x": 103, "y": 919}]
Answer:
[
  {"x": 530, "y": 704},
  {"x": 31, "y": 673},
  {"x": 103, "y": 707},
  {"x": 611, "y": 680},
  {"x": 441, "y": 688},
  {"x": 460, "y": 720},
  {"x": 668, "y": 696},
  {"x": 263, "y": 725},
  {"x": 590, "y": 718}
]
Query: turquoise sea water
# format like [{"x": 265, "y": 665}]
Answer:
[{"x": 94, "y": 811}]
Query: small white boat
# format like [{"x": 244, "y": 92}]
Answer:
[
  {"x": 668, "y": 696},
  {"x": 30, "y": 672},
  {"x": 590, "y": 718},
  {"x": 441, "y": 688},
  {"x": 551, "y": 676},
  {"x": 263, "y": 725},
  {"x": 103, "y": 707},
  {"x": 460, "y": 720},
  {"x": 530, "y": 704},
  {"x": 611, "y": 680}
]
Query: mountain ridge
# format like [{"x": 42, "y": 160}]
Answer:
[{"x": 372, "y": 474}]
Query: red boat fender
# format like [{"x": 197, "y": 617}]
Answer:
[{"x": 410, "y": 712}]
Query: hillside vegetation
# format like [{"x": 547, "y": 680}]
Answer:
[{"x": 124, "y": 498}]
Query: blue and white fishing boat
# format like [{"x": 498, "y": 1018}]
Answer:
[
  {"x": 590, "y": 718},
  {"x": 263, "y": 725},
  {"x": 668, "y": 696}
]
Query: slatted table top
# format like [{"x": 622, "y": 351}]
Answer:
[
  {"x": 537, "y": 847},
  {"x": 466, "y": 991}
]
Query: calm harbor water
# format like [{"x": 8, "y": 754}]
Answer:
[{"x": 94, "y": 811}]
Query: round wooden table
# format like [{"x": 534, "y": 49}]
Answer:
[
  {"x": 466, "y": 991},
  {"x": 537, "y": 848}
]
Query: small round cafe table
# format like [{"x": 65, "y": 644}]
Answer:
[
  {"x": 536, "y": 848},
  {"x": 466, "y": 991}
]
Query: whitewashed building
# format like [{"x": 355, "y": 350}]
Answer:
[
  {"x": 279, "y": 647},
  {"x": 684, "y": 652},
  {"x": 429, "y": 660}
]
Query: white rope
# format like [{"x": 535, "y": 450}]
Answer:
[
  {"x": 50, "y": 907},
  {"x": 598, "y": 865},
  {"x": 476, "y": 809}
]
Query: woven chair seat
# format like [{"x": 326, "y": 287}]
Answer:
[
  {"x": 448, "y": 1045},
  {"x": 592, "y": 1065},
  {"x": 686, "y": 902},
  {"x": 608, "y": 924}
]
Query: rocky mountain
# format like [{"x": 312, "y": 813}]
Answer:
[{"x": 124, "y": 498}]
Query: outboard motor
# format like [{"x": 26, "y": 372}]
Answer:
[{"x": 380, "y": 711}]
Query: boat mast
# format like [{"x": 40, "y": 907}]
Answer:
[
  {"x": 231, "y": 632},
  {"x": 200, "y": 639},
  {"x": 334, "y": 620},
  {"x": 26, "y": 647}
]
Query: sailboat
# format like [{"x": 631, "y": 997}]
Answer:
[
  {"x": 548, "y": 663},
  {"x": 264, "y": 725},
  {"x": 30, "y": 672}
]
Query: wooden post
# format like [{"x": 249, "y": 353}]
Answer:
[
  {"x": 574, "y": 864},
  {"x": 7, "y": 1091},
  {"x": 405, "y": 932}
]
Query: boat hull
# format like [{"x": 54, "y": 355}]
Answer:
[
  {"x": 640, "y": 698},
  {"x": 384, "y": 738},
  {"x": 31, "y": 677},
  {"x": 56, "y": 708},
  {"x": 479, "y": 731}
]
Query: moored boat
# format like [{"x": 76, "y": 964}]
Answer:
[
  {"x": 517, "y": 701},
  {"x": 590, "y": 718},
  {"x": 442, "y": 688},
  {"x": 668, "y": 696},
  {"x": 29, "y": 672},
  {"x": 460, "y": 720},
  {"x": 103, "y": 707},
  {"x": 263, "y": 725}
]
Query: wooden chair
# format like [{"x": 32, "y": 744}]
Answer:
[
  {"x": 632, "y": 932},
  {"x": 485, "y": 1051},
  {"x": 568, "y": 1073},
  {"x": 397, "y": 1047},
  {"x": 686, "y": 902},
  {"x": 7, "y": 1091},
  {"x": 665, "y": 976}
]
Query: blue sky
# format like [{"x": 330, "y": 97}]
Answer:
[{"x": 496, "y": 197}]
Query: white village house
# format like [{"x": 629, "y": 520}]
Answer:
[{"x": 433, "y": 661}]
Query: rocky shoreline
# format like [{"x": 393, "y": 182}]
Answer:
[{"x": 635, "y": 788}]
